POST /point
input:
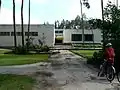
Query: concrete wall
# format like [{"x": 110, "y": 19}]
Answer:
[
  {"x": 48, "y": 30},
  {"x": 68, "y": 32}
]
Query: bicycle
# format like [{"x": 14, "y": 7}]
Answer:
[{"x": 109, "y": 72}]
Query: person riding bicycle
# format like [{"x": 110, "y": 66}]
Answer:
[{"x": 109, "y": 55}]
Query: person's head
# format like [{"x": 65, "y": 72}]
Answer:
[{"x": 108, "y": 45}]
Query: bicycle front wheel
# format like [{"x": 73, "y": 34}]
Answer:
[{"x": 110, "y": 74}]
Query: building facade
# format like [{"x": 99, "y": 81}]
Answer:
[
  {"x": 75, "y": 35},
  {"x": 45, "y": 33}
]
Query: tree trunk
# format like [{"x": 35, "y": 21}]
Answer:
[
  {"x": 14, "y": 24},
  {"x": 117, "y": 3},
  {"x": 0, "y": 4},
  {"x": 103, "y": 24},
  {"x": 22, "y": 28},
  {"x": 28, "y": 26},
  {"x": 82, "y": 22}
]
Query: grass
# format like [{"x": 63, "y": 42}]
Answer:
[
  {"x": 84, "y": 53},
  {"x": 15, "y": 82},
  {"x": 12, "y": 59}
]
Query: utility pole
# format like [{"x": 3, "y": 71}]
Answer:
[
  {"x": 82, "y": 21},
  {"x": 103, "y": 24}
]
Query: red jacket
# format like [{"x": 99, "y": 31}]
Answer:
[{"x": 109, "y": 54}]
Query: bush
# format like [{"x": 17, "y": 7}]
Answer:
[
  {"x": 97, "y": 59},
  {"x": 39, "y": 48},
  {"x": 45, "y": 48},
  {"x": 21, "y": 50}
]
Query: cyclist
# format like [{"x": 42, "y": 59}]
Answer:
[{"x": 109, "y": 55}]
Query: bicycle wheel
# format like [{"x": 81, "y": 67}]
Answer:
[
  {"x": 118, "y": 76},
  {"x": 110, "y": 74},
  {"x": 100, "y": 71}
]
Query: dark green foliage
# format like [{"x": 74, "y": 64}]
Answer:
[
  {"x": 97, "y": 59},
  {"x": 21, "y": 50}
]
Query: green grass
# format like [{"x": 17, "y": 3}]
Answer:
[
  {"x": 84, "y": 53},
  {"x": 15, "y": 82},
  {"x": 12, "y": 59}
]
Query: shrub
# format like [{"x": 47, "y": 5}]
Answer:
[
  {"x": 45, "y": 48},
  {"x": 97, "y": 59},
  {"x": 19, "y": 50}
]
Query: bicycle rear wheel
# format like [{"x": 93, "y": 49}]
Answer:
[{"x": 110, "y": 74}]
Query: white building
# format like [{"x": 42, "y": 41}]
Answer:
[
  {"x": 45, "y": 33},
  {"x": 75, "y": 36}
]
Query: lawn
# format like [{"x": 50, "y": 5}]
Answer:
[
  {"x": 85, "y": 53},
  {"x": 12, "y": 59},
  {"x": 15, "y": 82}
]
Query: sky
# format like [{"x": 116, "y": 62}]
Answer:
[{"x": 49, "y": 10}]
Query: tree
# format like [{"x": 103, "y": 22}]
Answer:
[
  {"x": 0, "y": 4},
  {"x": 14, "y": 25},
  {"x": 28, "y": 25},
  {"x": 55, "y": 25},
  {"x": 77, "y": 21},
  {"x": 85, "y": 2},
  {"x": 22, "y": 4},
  {"x": 111, "y": 29},
  {"x": 95, "y": 23},
  {"x": 112, "y": 19}
]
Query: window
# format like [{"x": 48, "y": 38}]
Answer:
[
  {"x": 88, "y": 37},
  {"x": 17, "y": 33},
  {"x": 4, "y": 33},
  {"x": 60, "y": 31},
  {"x": 76, "y": 37},
  {"x": 31, "y": 33},
  {"x": 56, "y": 31}
]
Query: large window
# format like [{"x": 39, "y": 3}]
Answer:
[
  {"x": 17, "y": 33},
  {"x": 60, "y": 31},
  {"x": 26, "y": 33},
  {"x": 4, "y": 33},
  {"x": 76, "y": 37},
  {"x": 88, "y": 37},
  {"x": 56, "y": 31},
  {"x": 31, "y": 33}
]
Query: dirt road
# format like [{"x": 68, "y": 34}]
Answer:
[
  {"x": 71, "y": 73},
  {"x": 67, "y": 71}
]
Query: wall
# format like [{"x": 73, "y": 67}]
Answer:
[
  {"x": 48, "y": 30},
  {"x": 67, "y": 35}
]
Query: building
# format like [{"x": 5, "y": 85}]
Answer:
[
  {"x": 45, "y": 33},
  {"x": 75, "y": 36}
]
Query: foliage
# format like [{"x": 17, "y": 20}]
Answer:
[
  {"x": 111, "y": 27},
  {"x": 39, "y": 48},
  {"x": 112, "y": 20},
  {"x": 96, "y": 59},
  {"x": 87, "y": 45},
  {"x": 20, "y": 50},
  {"x": 73, "y": 24}
]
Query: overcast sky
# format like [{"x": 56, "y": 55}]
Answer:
[{"x": 49, "y": 10}]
